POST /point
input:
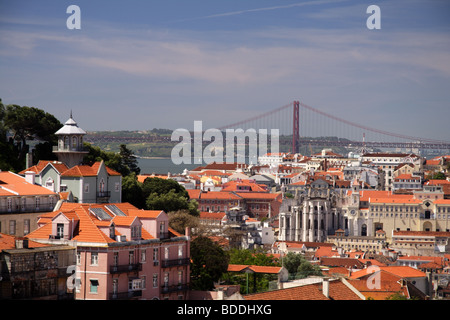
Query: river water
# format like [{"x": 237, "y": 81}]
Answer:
[{"x": 162, "y": 166}]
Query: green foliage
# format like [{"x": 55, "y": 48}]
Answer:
[
  {"x": 111, "y": 159},
  {"x": 437, "y": 176},
  {"x": 252, "y": 257},
  {"x": 297, "y": 265},
  {"x": 396, "y": 296},
  {"x": 179, "y": 220},
  {"x": 163, "y": 186},
  {"x": 25, "y": 124},
  {"x": 254, "y": 282},
  {"x": 209, "y": 262},
  {"x": 167, "y": 195},
  {"x": 128, "y": 161},
  {"x": 132, "y": 191}
]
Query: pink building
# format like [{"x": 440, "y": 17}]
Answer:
[{"x": 122, "y": 252}]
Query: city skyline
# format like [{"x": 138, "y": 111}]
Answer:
[{"x": 138, "y": 66}]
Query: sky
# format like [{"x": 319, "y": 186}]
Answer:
[{"x": 139, "y": 65}]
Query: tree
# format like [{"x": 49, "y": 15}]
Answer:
[
  {"x": 25, "y": 124},
  {"x": 297, "y": 265},
  {"x": 292, "y": 261},
  {"x": 132, "y": 191},
  {"x": 128, "y": 161},
  {"x": 170, "y": 201},
  {"x": 162, "y": 186},
  {"x": 112, "y": 160},
  {"x": 180, "y": 219},
  {"x": 8, "y": 152},
  {"x": 167, "y": 195},
  {"x": 252, "y": 257},
  {"x": 209, "y": 262},
  {"x": 437, "y": 176}
]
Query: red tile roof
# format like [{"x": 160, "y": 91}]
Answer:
[
  {"x": 13, "y": 184},
  {"x": 337, "y": 291},
  {"x": 252, "y": 268},
  {"x": 8, "y": 242},
  {"x": 87, "y": 229}
]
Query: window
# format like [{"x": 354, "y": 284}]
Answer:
[
  {"x": 93, "y": 286},
  {"x": 60, "y": 231},
  {"x": 131, "y": 257},
  {"x": 94, "y": 258},
  {"x": 116, "y": 259},
  {"x": 78, "y": 258},
  {"x": 134, "y": 284},
  {"x": 166, "y": 253},
  {"x": 26, "y": 226},
  {"x": 86, "y": 188},
  {"x": 143, "y": 255},
  {"x": 166, "y": 279},
  {"x": 180, "y": 251},
  {"x": 155, "y": 254},
  {"x": 155, "y": 280},
  {"x": 117, "y": 187},
  {"x": 38, "y": 201},
  {"x": 12, "y": 226}
]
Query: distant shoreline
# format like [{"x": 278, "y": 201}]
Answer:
[{"x": 156, "y": 158}]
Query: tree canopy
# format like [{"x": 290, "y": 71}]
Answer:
[
  {"x": 209, "y": 262},
  {"x": 24, "y": 124}
]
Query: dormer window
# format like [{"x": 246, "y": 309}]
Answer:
[
  {"x": 60, "y": 231},
  {"x": 136, "y": 232},
  {"x": 112, "y": 231}
]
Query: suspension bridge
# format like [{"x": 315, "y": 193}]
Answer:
[{"x": 306, "y": 125}]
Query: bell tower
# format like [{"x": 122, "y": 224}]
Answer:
[{"x": 70, "y": 149}]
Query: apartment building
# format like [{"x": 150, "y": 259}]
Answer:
[
  {"x": 122, "y": 252},
  {"x": 389, "y": 163},
  {"x": 34, "y": 271},
  {"x": 21, "y": 202}
]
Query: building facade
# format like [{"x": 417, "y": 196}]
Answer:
[
  {"x": 319, "y": 211},
  {"x": 122, "y": 252},
  {"x": 30, "y": 270},
  {"x": 21, "y": 202}
]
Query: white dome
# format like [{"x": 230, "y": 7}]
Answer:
[{"x": 70, "y": 127}]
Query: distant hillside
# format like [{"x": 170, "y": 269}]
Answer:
[{"x": 157, "y": 143}]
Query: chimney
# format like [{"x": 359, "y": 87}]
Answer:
[
  {"x": 326, "y": 287},
  {"x": 21, "y": 243},
  {"x": 29, "y": 177}
]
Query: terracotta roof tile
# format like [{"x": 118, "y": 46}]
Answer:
[{"x": 337, "y": 291}]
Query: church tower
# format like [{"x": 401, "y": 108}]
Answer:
[{"x": 70, "y": 149}]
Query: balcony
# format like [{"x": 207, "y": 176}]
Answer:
[
  {"x": 103, "y": 196},
  {"x": 125, "y": 268},
  {"x": 28, "y": 208},
  {"x": 175, "y": 288},
  {"x": 427, "y": 216},
  {"x": 175, "y": 262},
  {"x": 164, "y": 235},
  {"x": 125, "y": 295},
  {"x": 70, "y": 149}
]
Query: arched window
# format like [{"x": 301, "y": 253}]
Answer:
[
  {"x": 66, "y": 142},
  {"x": 74, "y": 142},
  {"x": 50, "y": 184},
  {"x": 364, "y": 230},
  {"x": 102, "y": 185}
]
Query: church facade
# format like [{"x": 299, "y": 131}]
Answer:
[{"x": 320, "y": 211}]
